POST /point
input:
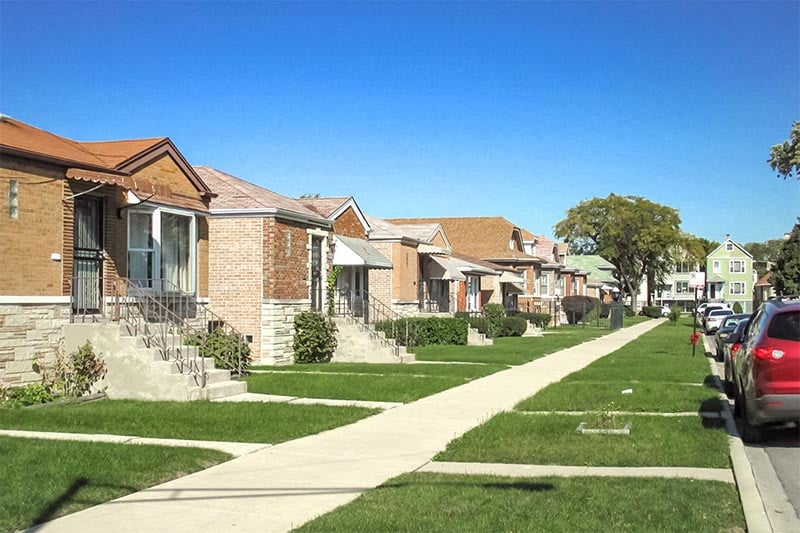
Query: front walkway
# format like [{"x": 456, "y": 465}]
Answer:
[{"x": 286, "y": 485}]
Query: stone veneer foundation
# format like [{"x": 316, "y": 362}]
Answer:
[
  {"x": 28, "y": 332},
  {"x": 277, "y": 330}
]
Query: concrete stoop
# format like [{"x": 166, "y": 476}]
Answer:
[
  {"x": 356, "y": 344},
  {"x": 475, "y": 338},
  {"x": 137, "y": 370}
]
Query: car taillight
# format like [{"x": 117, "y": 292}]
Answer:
[
  {"x": 734, "y": 349},
  {"x": 766, "y": 353}
]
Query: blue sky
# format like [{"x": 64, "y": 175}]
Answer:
[{"x": 436, "y": 109}]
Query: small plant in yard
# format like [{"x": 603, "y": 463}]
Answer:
[
  {"x": 229, "y": 350},
  {"x": 606, "y": 417},
  {"x": 31, "y": 394},
  {"x": 314, "y": 338},
  {"x": 332, "y": 275},
  {"x": 71, "y": 374},
  {"x": 674, "y": 314}
]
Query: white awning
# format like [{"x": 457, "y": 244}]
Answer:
[
  {"x": 431, "y": 249},
  {"x": 508, "y": 277},
  {"x": 349, "y": 251},
  {"x": 515, "y": 288},
  {"x": 444, "y": 268}
]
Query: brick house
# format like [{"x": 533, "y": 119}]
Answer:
[
  {"x": 269, "y": 258},
  {"x": 78, "y": 217},
  {"x": 352, "y": 252},
  {"x": 494, "y": 240}
]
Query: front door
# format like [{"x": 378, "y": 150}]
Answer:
[{"x": 87, "y": 253}]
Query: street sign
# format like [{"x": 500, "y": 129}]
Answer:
[{"x": 697, "y": 280}]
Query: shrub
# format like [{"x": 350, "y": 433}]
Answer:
[
  {"x": 594, "y": 314},
  {"x": 674, "y": 314},
  {"x": 605, "y": 310},
  {"x": 576, "y": 307},
  {"x": 629, "y": 312},
  {"x": 737, "y": 308},
  {"x": 226, "y": 348},
  {"x": 653, "y": 311},
  {"x": 314, "y": 338},
  {"x": 72, "y": 374},
  {"x": 31, "y": 394},
  {"x": 425, "y": 331},
  {"x": 479, "y": 323},
  {"x": 513, "y": 326},
  {"x": 541, "y": 319},
  {"x": 494, "y": 313}
]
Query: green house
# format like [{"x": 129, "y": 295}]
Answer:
[{"x": 730, "y": 276}]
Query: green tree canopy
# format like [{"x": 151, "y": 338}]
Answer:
[
  {"x": 786, "y": 271},
  {"x": 630, "y": 232},
  {"x": 784, "y": 158}
]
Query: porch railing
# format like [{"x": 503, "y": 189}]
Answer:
[{"x": 370, "y": 313}]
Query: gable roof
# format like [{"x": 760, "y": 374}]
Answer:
[
  {"x": 599, "y": 270},
  {"x": 736, "y": 244},
  {"x": 484, "y": 237},
  {"x": 108, "y": 162},
  {"x": 237, "y": 197},
  {"x": 334, "y": 206}
]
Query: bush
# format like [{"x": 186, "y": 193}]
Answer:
[
  {"x": 425, "y": 331},
  {"x": 653, "y": 311},
  {"x": 674, "y": 314},
  {"x": 737, "y": 308},
  {"x": 31, "y": 394},
  {"x": 537, "y": 319},
  {"x": 513, "y": 326},
  {"x": 479, "y": 323},
  {"x": 629, "y": 312},
  {"x": 72, "y": 374},
  {"x": 314, "y": 338},
  {"x": 605, "y": 310},
  {"x": 226, "y": 348},
  {"x": 494, "y": 313},
  {"x": 595, "y": 314},
  {"x": 576, "y": 307}
]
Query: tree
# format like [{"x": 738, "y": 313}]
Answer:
[
  {"x": 630, "y": 232},
  {"x": 763, "y": 252},
  {"x": 786, "y": 271},
  {"x": 785, "y": 158}
]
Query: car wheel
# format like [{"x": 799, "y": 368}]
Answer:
[{"x": 750, "y": 432}]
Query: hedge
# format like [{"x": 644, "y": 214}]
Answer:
[
  {"x": 513, "y": 326},
  {"x": 653, "y": 311},
  {"x": 425, "y": 331},
  {"x": 576, "y": 307}
]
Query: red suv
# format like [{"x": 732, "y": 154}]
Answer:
[{"x": 767, "y": 375}]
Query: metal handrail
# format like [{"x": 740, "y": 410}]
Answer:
[{"x": 368, "y": 311}]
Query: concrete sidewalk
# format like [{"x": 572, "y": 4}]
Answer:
[{"x": 284, "y": 486}]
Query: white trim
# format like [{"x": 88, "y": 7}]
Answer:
[
  {"x": 270, "y": 212},
  {"x": 351, "y": 202},
  {"x": 34, "y": 300}
]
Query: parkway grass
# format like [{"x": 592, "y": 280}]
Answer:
[
  {"x": 199, "y": 420},
  {"x": 44, "y": 479},
  {"x": 445, "y": 503},
  {"x": 511, "y": 350},
  {"x": 382, "y": 388},
  {"x": 453, "y": 370},
  {"x": 519, "y": 438}
]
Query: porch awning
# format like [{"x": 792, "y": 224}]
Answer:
[
  {"x": 349, "y": 251},
  {"x": 444, "y": 268},
  {"x": 715, "y": 278},
  {"x": 508, "y": 277}
]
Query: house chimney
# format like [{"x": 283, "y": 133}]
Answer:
[{"x": 727, "y": 236}]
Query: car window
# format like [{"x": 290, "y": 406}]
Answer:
[
  {"x": 721, "y": 312},
  {"x": 755, "y": 324},
  {"x": 785, "y": 326}
]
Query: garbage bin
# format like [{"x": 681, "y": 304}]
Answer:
[{"x": 616, "y": 312}]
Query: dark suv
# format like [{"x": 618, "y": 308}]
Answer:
[{"x": 767, "y": 368}]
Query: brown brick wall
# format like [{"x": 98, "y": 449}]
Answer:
[
  {"x": 286, "y": 260},
  {"x": 26, "y": 243},
  {"x": 349, "y": 225},
  {"x": 235, "y": 272},
  {"x": 165, "y": 171}
]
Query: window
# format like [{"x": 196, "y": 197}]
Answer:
[
  {"x": 316, "y": 273},
  {"x": 681, "y": 287},
  {"x": 13, "y": 199},
  {"x": 162, "y": 245},
  {"x": 684, "y": 266},
  {"x": 737, "y": 287},
  {"x": 715, "y": 267},
  {"x": 544, "y": 285},
  {"x": 736, "y": 266},
  {"x": 729, "y": 246}
]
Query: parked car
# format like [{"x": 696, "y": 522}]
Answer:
[
  {"x": 767, "y": 369},
  {"x": 715, "y": 318},
  {"x": 665, "y": 310},
  {"x": 711, "y": 307},
  {"x": 701, "y": 309},
  {"x": 730, "y": 347},
  {"x": 729, "y": 324}
]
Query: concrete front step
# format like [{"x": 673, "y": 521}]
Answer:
[
  {"x": 223, "y": 389},
  {"x": 357, "y": 344}
]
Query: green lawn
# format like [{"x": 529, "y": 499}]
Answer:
[
  {"x": 552, "y": 440},
  {"x": 647, "y": 396},
  {"x": 511, "y": 350},
  {"x": 233, "y": 422},
  {"x": 445, "y": 503},
  {"x": 452, "y": 370},
  {"x": 45, "y": 479},
  {"x": 374, "y": 387}
]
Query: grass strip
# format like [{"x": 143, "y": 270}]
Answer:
[
  {"x": 445, "y": 503},
  {"x": 199, "y": 420},
  {"x": 391, "y": 388},
  {"x": 552, "y": 440},
  {"x": 454, "y": 370},
  {"x": 646, "y": 397},
  {"x": 44, "y": 479},
  {"x": 511, "y": 350}
]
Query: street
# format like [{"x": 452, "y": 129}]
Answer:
[{"x": 776, "y": 467}]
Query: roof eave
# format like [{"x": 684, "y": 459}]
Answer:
[{"x": 270, "y": 212}]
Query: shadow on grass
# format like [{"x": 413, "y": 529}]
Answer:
[{"x": 522, "y": 486}]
